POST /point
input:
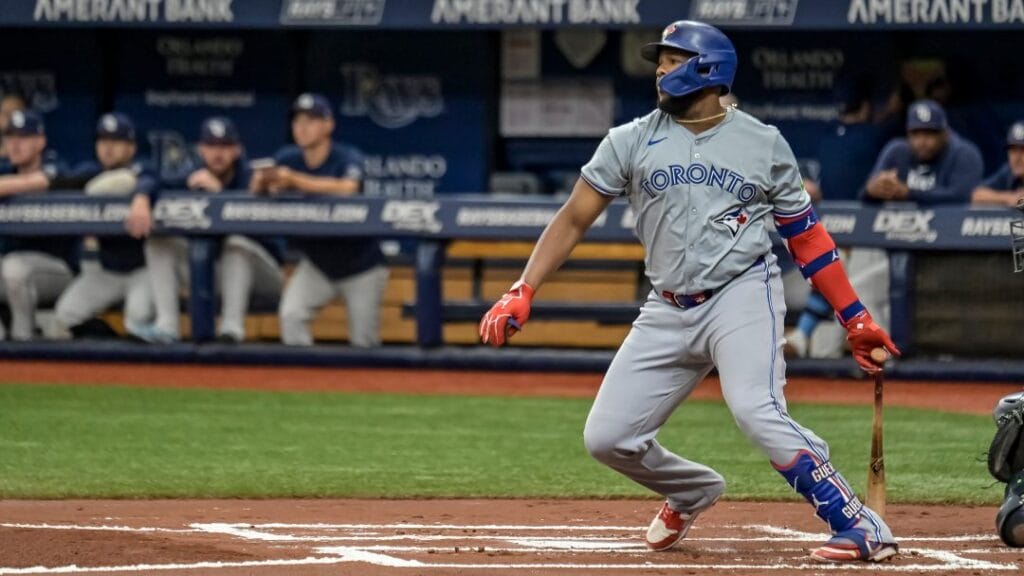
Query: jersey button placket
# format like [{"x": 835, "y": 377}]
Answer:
[
  {"x": 694, "y": 225},
  {"x": 695, "y": 221}
]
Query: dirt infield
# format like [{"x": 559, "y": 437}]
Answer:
[
  {"x": 443, "y": 537},
  {"x": 437, "y": 537},
  {"x": 968, "y": 397}
]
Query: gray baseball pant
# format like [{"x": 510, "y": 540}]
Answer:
[
  {"x": 95, "y": 290},
  {"x": 668, "y": 351},
  {"x": 309, "y": 290},
  {"x": 245, "y": 268},
  {"x": 31, "y": 277}
]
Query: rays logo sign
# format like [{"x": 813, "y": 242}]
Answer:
[
  {"x": 338, "y": 12},
  {"x": 746, "y": 12},
  {"x": 390, "y": 100}
]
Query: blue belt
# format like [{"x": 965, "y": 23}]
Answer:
[{"x": 692, "y": 300}]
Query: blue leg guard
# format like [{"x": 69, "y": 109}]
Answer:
[{"x": 818, "y": 482}]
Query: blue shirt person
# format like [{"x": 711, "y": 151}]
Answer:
[
  {"x": 1006, "y": 186},
  {"x": 245, "y": 266},
  {"x": 350, "y": 267},
  {"x": 932, "y": 165},
  {"x": 115, "y": 152},
  {"x": 34, "y": 270},
  {"x": 121, "y": 275},
  {"x": 29, "y": 168}
]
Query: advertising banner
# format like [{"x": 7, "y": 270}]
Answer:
[
  {"x": 453, "y": 14},
  {"x": 420, "y": 115},
  {"x": 168, "y": 82}
]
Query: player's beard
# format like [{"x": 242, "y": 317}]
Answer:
[{"x": 677, "y": 106}]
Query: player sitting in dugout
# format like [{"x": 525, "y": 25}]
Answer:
[
  {"x": 350, "y": 267},
  {"x": 1006, "y": 186},
  {"x": 35, "y": 269},
  {"x": 932, "y": 165},
  {"x": 120, "y": 274},
  {"x": 246, "y": 266},
  {"x": 9, "y": 104}
]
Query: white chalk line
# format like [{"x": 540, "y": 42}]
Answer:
[
  {"x": 624, "y": 549},
  {"x": 404, "y": 526},
  {"x": 73, "y": 569},
  {"x": 582, "y": 547},
  {"x": 798, "y": 535},
  {"x": 547, "y": 544},
  {"x": 388, "y": 561},
  {"x": 953, "y": 563},
  {"x": 780, "y": 534},
  {"x": 98, "y": 528},
  {"x": 950, "y": 559},
  {"x": 250, "y": 534},
  {"x": 247, "y": 531}
]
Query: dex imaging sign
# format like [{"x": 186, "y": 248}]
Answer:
[{"x": 906, "y": 225}]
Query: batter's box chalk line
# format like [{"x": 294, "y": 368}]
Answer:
[{"x": 422, "y": 539}]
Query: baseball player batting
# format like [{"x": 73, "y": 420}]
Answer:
[{"x": 703, "y": 181}]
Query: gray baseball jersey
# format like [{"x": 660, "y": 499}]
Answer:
[
  {"x": 700, "y": 200},
  {"x": 701, "y": 204}
]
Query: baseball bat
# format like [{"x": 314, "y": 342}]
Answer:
[{"x": 876, "y": 467}]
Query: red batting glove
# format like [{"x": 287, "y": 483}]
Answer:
[
  {"x": 864, "y": 336},
  {"x": 507, "y": 316}
]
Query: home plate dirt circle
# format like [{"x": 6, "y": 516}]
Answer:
[{"x": 442, "y": 537}]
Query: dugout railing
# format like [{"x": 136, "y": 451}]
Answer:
[{"x": 952, "y": 288}]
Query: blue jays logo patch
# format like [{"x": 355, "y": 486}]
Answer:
[{"x": 733, "y": 220}]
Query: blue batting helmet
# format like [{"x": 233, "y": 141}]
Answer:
[{"x": 713, "y": 64}]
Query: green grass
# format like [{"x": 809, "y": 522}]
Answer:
[{"x": 109, "y": 442}]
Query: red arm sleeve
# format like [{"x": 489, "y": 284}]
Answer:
[{"x": 815, "y": 253}]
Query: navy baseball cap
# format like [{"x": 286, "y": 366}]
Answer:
[
  {"x": 115, "y": 126},
  {"x": 25, "y": 123},
  {"x": 1015, "y": 135},
  {"x": 926, "y": 115},
  {"x": 218, "y": 130},
  {"x": 313, "y": 104}
]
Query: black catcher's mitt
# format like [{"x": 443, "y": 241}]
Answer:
[{"x": 1006, "y": 454}]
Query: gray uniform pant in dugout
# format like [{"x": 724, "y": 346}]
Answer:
[
  {"x": 30, "y": 278},
  {"x": 244, "y": 269},
  {"x": 95, "y": 290},
  {"x": 668, "y": 351},
  {"x": 309, "y": 290}
]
